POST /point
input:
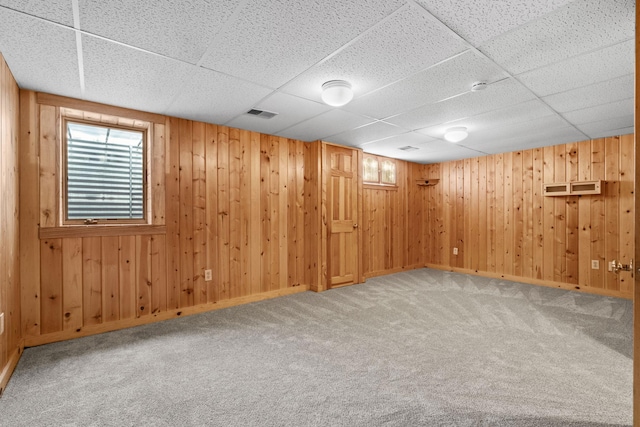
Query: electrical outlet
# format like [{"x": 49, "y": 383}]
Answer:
[
  {"x": 595, "y": 264},
  {"x": 1, "y": 323},
  {"x": 208, "y": 276},
  {"x": 455, "y": 251}
]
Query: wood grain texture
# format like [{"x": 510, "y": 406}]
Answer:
[
  {"x": 546, "y": 240},
  {"x": 11, "y": 154},
  {"x": 219, "y": 200}
]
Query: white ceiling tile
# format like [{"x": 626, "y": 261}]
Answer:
[
  {"x": 290, "y": 109},
  {"x": 540, "y": 138},
  {"x": 329, "y": 123},
  {"x": 428, "y": 149},
  {"x": 41, "y": 56},
  {"x": 213, "y": 97},
  {"x": 409, "y": 41},
  {"x": 581, "y": 26},
  {"x": 606, "y": 127},
  {"x": 601, "y": 112},
  {"x": 480, "y": 20},
  {"x": 496, "y": 119},
  {"x": 603, "y": 64},
  {"x": 496, "y": 96},
  {"x": 140, "y": 80},
  {"x": 367, "y": 133},
  {"x": 412, "y": 139},
  {"x": 272, "y": 42},
  {"x": 59, "y": 11},
  {"x": 449, "y": 78},
  {"x": 590, "y": 96},
  {"x": 489, "y": 137},
  {"x": 181, "y": 30},
  {"x": 613, "y": 132}
]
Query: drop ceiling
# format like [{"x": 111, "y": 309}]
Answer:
[{"x": 557, "y": 70}]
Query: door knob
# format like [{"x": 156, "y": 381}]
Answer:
[{"x": 355, "y": 225}]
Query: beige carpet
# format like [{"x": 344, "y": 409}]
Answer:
[{"x": 423, "y": 347}]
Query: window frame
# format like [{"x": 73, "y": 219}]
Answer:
[
  {"x": 379, "y": 183},
  {"x": 145, "y": 130}
]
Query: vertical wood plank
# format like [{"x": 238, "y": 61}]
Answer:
[
  {"x": 224, "y": 226},
  {"x": 235, "y": 273},
  {"x": 173, "y": 214},
  {"x": 572, "y": 223},
  {"x": 584, "y": 216},
  {"x": 211, "y": 207},
  {"x": 48, "y": 166},
  {"x": 127, "y": 276},
  {"x": 199, "y": 189},
  {"x": 143, "y": 275},
  {"x": 597, "y": 214},
  {"x": 158, "y": 278},
  {"x": 538, "y": 213},
  {"x": 611, "y": 206},
  {"x": 186, "y": 214},
  {"x": 245, "y": 213},
  {"x": 72, "y": 284},
  {"x": 158, "y": 189},
  {"x": 518, "y": 175},
  {"x": 51, "y": 285},
  {"x": 110, "y": 282},
  {"x": 92, "y": 280},
  {"x": 626, "y": 209},
  {"x": 255, "y": 233}
]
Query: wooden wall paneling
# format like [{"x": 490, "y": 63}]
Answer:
[
  {"x": 598, "y": 215},
  {"x": 572, "y": 238},
  {"x": 211, "y": 211},
  {"x": 199, "y": 180},
  {"x": 51, "y": 285},
  {"x": 143, "y": 275},
  {"x": 29, "y": 213},
  {"x": 473, "y": 202},
  {"x": 499, "y": 212},
  {"x": 235, "y": 273},
  {"x": 91, "y": 280},
  {"x": 538, "y": 213},
  {"x": 509, "y": 217},
  {"x": 459, "y": 237},
  {"x": 245, "y": 213},
  {"x": 627, "y": 211},
  {"x": 300, "y": 212},
  {"x": 265, "y": 214},
  {"x": 560, "y": 212},
  {"x": 158, "y": 276},
  {"x": 283, "y": 214},
  {"x": 274, "y": 214},
  {"x": 482, "y": 214},
  {"x": 48, "y": 166},
  {"x": 224, "y": 227},
  {"x": 584, "y": 216},
  {"x": 255, "y": 234},
  {"x": 158, "y": 189},
  {"x": 110, "y": 280},
  {"x": 528, "y": 211},
  {"x": 5, "y": 262},
  {"x": 549, "y": 214},
  {"x": 312, "y": 218},
  {"x": 612, "y": 193},
  {"x": 186, "y": 214},
  {"x": 450, "y": 202},
  {"x": 491, "y": 214},
  {"x": 172, "y": 213},
  {"x": 466, "y": 220},
  {"x": 129, "y": 285},
  {"x": 292, "y": 233},
  {"x": 518, "y": 178}
]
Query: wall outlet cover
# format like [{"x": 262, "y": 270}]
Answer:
[{"x": 208, "y": 276}]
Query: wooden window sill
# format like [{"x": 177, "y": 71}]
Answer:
[
  {"x": 101, "y": 231},
  {"x": 380, "y": 187}
]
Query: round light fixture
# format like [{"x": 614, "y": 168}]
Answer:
[
  {"x": 478, "y": 86},
  {"x": 456, "y": 134},
  {"x": 337, "y": 93}
]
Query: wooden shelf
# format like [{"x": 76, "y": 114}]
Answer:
[
  {"x": 576, "y": 188},
  {"x": 427, "y": 182}
]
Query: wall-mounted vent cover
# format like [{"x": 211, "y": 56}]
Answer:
[
  {"x": 408, "y": 148},
  {"x": 262, "y": 114}
]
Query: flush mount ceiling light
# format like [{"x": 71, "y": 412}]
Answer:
[
  {"x": 456, "y": 134},
  {"x": 478, "y": 86},
  {"x": 337, "y": 93}
]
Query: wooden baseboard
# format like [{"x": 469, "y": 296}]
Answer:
[
  {"x": 371, "y": 274},
  {"x": 32, "y": 341},
  {"x": 532, "y": 281},
  {"x": 5, "y": 375}
]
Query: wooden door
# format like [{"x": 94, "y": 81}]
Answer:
[{"x": 342, "y": 215}]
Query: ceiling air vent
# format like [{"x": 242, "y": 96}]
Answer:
[
  {"x": 408, "y": 148},
  {"x": 262, "y": 114}
]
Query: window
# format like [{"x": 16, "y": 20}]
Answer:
[
  {"x": 105, "y": 173},
  {"x": 379, "y": 170}
]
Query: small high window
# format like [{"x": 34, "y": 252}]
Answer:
[
  {"x": 379, "y": 170},
  {"x": 104, "y": 172}
]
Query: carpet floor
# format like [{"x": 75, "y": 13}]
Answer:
[{"x": 419, "y": 348}]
